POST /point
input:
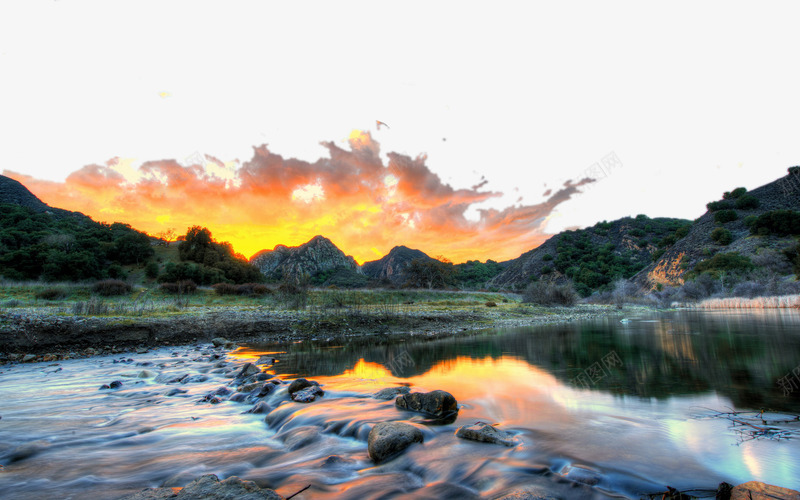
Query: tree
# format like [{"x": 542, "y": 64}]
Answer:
[{"x": 429, "y": 273}]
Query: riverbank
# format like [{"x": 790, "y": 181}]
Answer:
[{"x": 44, "y": 334}]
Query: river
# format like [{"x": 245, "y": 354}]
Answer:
[{"x": 613, "y": 407}]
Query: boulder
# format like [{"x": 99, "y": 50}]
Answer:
[
  {"x": 253, "y": 386},
  {"x": 28, "y": 358},
  {"x": 438, "y": 404},
  {"x": 308, "y": 394},
  {"x": 756, "y": 490},
  {"x": 388, "y": 439},
  {"x": 209, "y": 487},
  {"x": 220, "y": 342},
  {"x": 146, "y": 374},
  {"x": 266, "y": 360},
  {"x": 247, "y": 370},
  {"x": 300, "y": 384},
  {"x": 486, "y": 433},
  {"x": 391, "y": 392},
  {"x": 259, "y": 408}
]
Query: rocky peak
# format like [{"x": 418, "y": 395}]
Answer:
[
  {"x": 316, "y": 256},
  {"x": 391, "y": 266}
]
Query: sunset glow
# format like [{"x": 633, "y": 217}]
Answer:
[{"x": 363, "y": 204}]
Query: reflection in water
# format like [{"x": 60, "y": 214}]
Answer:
[{"x": 631, "y": 429}]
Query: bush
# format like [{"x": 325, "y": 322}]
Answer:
[
  {"x": 735, "y": 194},
  {"x": 779, "y": 222},
  {"x": 51, "y": 293},
  {"x": 728, "y": 262},
  {"x": 722, "y": 236},
  {"x": 719, "y": 205},
  {"x": 110, "y": 288},
  {"x": 151, "y": 270},
  {"x": 550, "y": 294},
  {"x": 183, "y": 287},
  {"x": 724, "y": 216},
  {"x": 224, "y": 289},
  {"x": 747, "y": 202},
  {"x": 491, "y": 304},
  {"x": 794, "y": 170}
]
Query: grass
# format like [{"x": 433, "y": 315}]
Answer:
[
  {"x": 320, "y": 304},
  {"x": 785, "y": 301}
]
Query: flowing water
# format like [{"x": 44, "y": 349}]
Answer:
[{"x": 614, "y": 407}]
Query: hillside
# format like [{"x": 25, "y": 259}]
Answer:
[
  {"x": 726, "y": 229},
  {"x": 391, "y": 267},
  {"x": 314, "y": 258},
  {"x": 593, "y": 258},
  {"x": 14, "y": 193}
]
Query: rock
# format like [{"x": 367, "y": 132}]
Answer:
[
  {"x": 28, "y": 358},
  {"x": 170, "y": 378},
  {"x": 209, "y": 487},
  {"x": 247, "y": 370},
  {"x": 756, "y": 490},
  {"x": 115, "y": 384},
  {"x": 259, "y": 408},
  {"x": 49, "y": 357},
  {"x": 308, "y": 394},
  {"x": 146, "y": 374},
  {"x": 253, "y": 386},
  {"x": 438, "y": 404},
  {"x": 528, "y": 493},
  {"x": 724, "y": 491},
  {"x": 238, "y": 397},
  {"x": 142, "y": 350},
  {"x": 300, "y": 384},
  {"x": 104, "y": 386},
  {"x": 194, "y": 379},
  {"x": 299, "y": 437},
  {"x": 334, "y": 461},
  {"x": 220, "y": 341},
  {"x": 388, "y": 439},
  {"x": 581, "y": 475},
  {"x": 265, "y": 360},
  {"x": 175, "y": 391},
  {"x": 486, "y": 433},
  {"x": 391, "y": 392}
]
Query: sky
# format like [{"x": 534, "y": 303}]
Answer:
[{"x": 259, "y": 120}]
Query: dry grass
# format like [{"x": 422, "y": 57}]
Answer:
[{"x": 784, "y": 301}]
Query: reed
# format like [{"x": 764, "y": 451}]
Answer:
[{"x": 777, "y": 302}]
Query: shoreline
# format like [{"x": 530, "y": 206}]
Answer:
[{"x": 36, "y": 334}]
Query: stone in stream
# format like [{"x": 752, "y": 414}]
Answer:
[
  {"x": 756, "y": 490},
  {"x": 28, "y": 358},
  {"x": 391, "y": 392},
  {"x": 209, "y": 487},
  {"x": 266, "y": 360},
  {"x": 528, "y": 493},
  {"x": 308, "y": 394},
  {"x": 388, "y": 439},
  {"x": 486, "y": 433},
  {"x": 238, "y": 397},
  {"x": 253, "y": 386},
  {"x": 220, "y": 342},
  {"x": 146, "y": 374},
  {"x": 115, "y": 384},
  {"x": 259, "y": 408},
  {"x": 247, "y": 370},
  {"x": 194, "y": 379},
  {"x": 438, "y": 404},
  {"x": 300, "y": 384},
  {"x": 170, "y": 378}
]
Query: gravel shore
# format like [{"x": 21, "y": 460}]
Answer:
[{"x": 38, "y": 334}]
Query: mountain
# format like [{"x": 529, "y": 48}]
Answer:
[
  {"x": 13, "y": 192},
  {"x": 391, "y": 266},
  {"x": 593, "y": 258},
  {"x": 729, "y": 230},
  {"x": 316, "y": 257}
]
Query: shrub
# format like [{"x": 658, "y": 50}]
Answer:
[
  {"x": 110, "y": 288},
  {"x": 722, "y": 236},
  {"x": 779, "y": 222},
  {"x": 224, "y": 289},
  {"x": 550, "y": 294},
  {"x": 682, "y": 231},
  {"x": 547, "y": 257},
  {"x": 794, "y": 170},
  {"x": 151, "y": 270},
  {"x": 729, "y": 262},
  {"x": 724, "y": 216},
  {"x": 719, "y": 205},
  {"x": 491, "y": 304},
  {"x": 747, "y": 202},
  {"x": 51, "y": 293},
  {"x": 735, "y": 194},
  {"x": 182, "y": 287}
]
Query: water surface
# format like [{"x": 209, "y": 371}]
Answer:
[{"x": 627, "y": 407}]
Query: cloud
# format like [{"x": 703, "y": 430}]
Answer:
[{"x": 350, "y": 196}]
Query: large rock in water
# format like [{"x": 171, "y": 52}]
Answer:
[
  {"x": 209, "y": 487},
  {"x": 756, "y": 490},
  {"x": 437, "y": 404},
  {"x": 486, "y": 433},
  {"x": 305, "y": 391},
  {"x": 316, "y": 256},
  {"x": 388, "y": 439}
]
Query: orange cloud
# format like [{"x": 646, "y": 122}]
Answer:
[{"x": 364, "y": 206}]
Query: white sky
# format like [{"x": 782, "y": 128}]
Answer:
[{"x": 695, "y": 98}]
